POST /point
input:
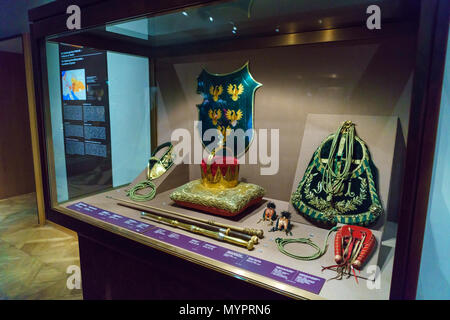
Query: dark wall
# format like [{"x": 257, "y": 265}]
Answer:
[
  {"x": 14, "y": 16},
  {"x": 16, "y": 162}
]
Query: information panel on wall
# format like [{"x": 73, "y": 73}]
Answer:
[{"x": 86, "y": 122}]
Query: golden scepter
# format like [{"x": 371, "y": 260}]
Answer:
[
  {"x": 209, "y": 227},
  {"x": 253, "y": 232},
  {"x": 192, "y": 228},
  {"x": 227, "y": 232}
]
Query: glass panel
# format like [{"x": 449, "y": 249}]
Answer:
[
  {"x": 138, "y": 29},
  {"x": 435, "y": 261},
  {"x": 243, "y": 18},
  {"x": 286, "y": 75}
]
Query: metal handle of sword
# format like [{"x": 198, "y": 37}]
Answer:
[
  {"x": 223, "y": 237},
  {"x": 254, "y": 232},
  {"x": 235, "y": 234}
]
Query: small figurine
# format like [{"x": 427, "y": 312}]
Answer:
[
  {"x": 283, "y": 223},
  {"x": 269, "y": 214}
]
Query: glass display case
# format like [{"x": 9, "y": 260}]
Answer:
[{"x": 263, "y": 144}]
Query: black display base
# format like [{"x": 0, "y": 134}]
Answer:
[{"x": 114, "y": 267}]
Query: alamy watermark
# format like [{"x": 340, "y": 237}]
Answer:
[
  {"x": 374, "y": 280},
  {"x": 190, "y": 150},
  {"x": 74, "y": 279},
  {"x": 74, "y": 20},
  {"x": 374, "y": 20}
]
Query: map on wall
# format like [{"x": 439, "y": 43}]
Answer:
[{"x": 73, "y": 84}]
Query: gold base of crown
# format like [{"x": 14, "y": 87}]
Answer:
[{"x": 220, "y": 180}]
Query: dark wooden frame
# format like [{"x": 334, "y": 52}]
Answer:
[
  {"x": 430, "y": 57},
  {"x": 423, "y": 123}
]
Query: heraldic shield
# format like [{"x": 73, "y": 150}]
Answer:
[{"x": 227, "y": 109}]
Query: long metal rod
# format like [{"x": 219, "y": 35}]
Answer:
[
  {"x": 253, "y": 232},
  {"x": 195, "y": 229},
  {"x": 227, "y": 231}
]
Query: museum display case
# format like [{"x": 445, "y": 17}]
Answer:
[{"x": 240, "y": 149}]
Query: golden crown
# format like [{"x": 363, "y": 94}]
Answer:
[{"x": 220, "y": 172}]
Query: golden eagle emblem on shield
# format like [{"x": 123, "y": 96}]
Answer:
[{"x": 230, "y": 112}]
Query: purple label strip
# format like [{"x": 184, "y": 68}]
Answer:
[
  {"x": 111, "y": 217},
  {"x": 259, "y": 266}
]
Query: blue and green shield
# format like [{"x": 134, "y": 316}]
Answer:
[{"x": 227, "y": 111}]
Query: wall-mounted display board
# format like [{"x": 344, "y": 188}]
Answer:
[{"x": 85, "y": 103}]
